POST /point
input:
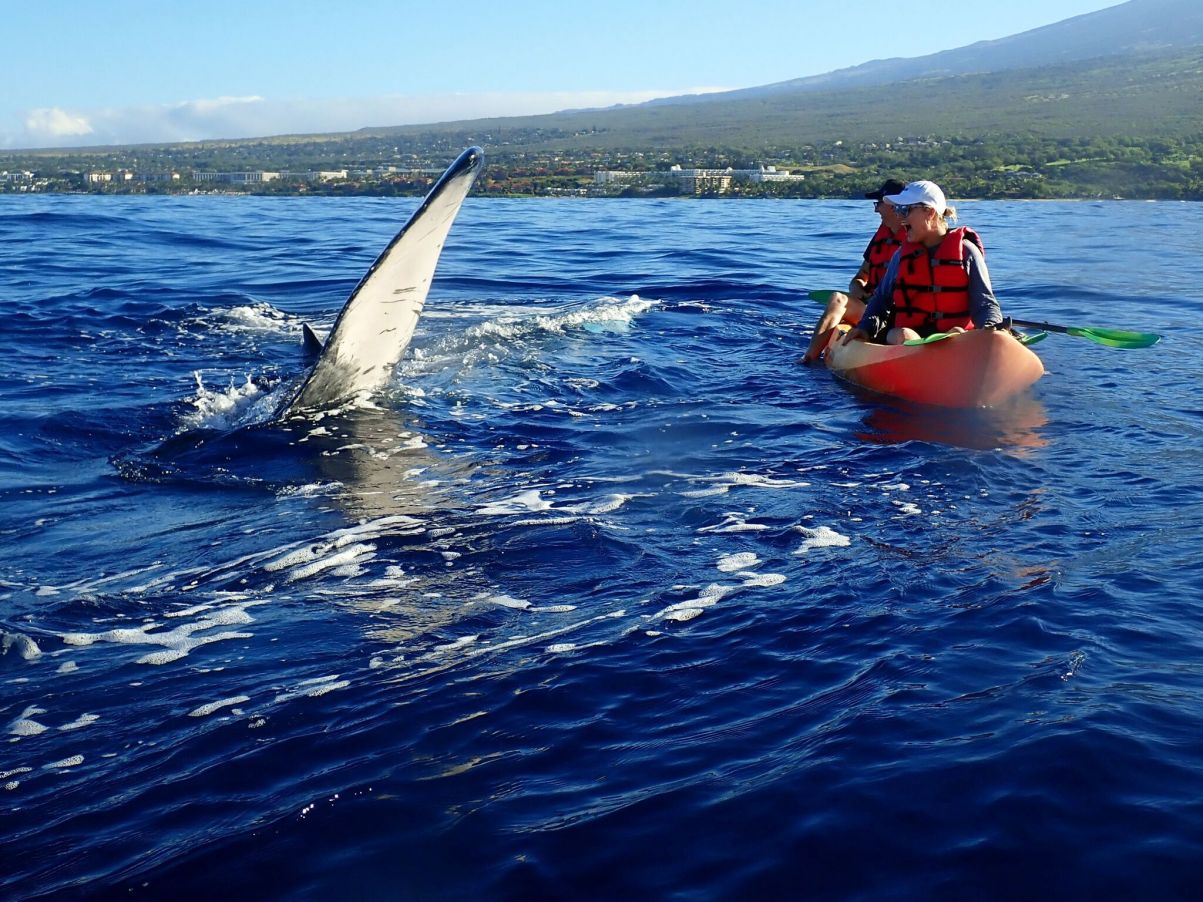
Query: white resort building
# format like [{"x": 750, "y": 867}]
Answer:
[{"x": 695, "y": 181}]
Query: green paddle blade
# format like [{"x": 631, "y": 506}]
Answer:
[
  {"x": 1115, "y": 338},
  {"x": 821, "y": 296},
  {"x": 1111, "y": 338},
  {"x": 930, "y": 339},
  {"x": 940, "y": 336}
]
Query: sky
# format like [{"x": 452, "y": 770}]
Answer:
[{"x": 81, "y": 73}]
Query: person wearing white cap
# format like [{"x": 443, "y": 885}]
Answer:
[
  {"x": 937, "y": 282},
  {"x": 850, "y": 307}
]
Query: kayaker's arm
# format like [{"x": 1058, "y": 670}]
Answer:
[
  {"x": 983, "y": 305},
  {"x": 876, "y": 319},
  {"x": 859, "y": 284}
]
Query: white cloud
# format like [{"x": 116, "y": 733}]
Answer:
[
  {"x": 253, "y": 117},
  {"x": 51, "y": 123},
  {"x": 212, "y": 106}
]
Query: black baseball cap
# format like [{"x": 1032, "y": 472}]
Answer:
[{"x": 889, "y": 186}]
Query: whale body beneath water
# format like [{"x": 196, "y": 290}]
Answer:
[{"x": 378, "y": 320}]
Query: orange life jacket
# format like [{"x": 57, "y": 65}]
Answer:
[
  {"x": 931, "y": 292},
  {"x": 881, "y": 248}
]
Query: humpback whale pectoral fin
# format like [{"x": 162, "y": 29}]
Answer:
[
  {"x": 313, "y": 344},
  {"x": 388, "y": 298}
]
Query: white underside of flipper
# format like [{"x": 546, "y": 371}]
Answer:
[{"x": 377, "y": 322}]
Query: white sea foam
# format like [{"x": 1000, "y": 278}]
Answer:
[
  {"x": 606, "y": 315},
  {"x": 506, "y": 601},
  {"x": 763, "y": 482},
  {"x": 327, "y": 687},
  {"x": 733, "y": 522},
  {"x": 452, "y": 654},
  {"x": 524, "y": 502},
  {"x": 457, "y": 644},
  {"x": 725, "y": 482},
  {"x": 80, "y": 722},
  {"x": 762, "y": 580},
  {"x": 260, "y": 317},
  {"x": 354, "y": 555},
  {"x": 716, "y": 592},
  {"x": 211, "y": 707},
  {"x": 612, "y": 314},
  {"x": 821, "y": 537},
  {"x": 313, "y": 688},
  {"x": 311, "y": 490},
  {"x": 191, "y": 611},
  {"x": 546, "y": 521},
  {"x": 607, "y": 505},
  {"x": 706, "y": 493},
  {"x": 24, "y": 726},
  {"x": 221, "y": 408},
  {"x": 177, "y": 643},
  {"x": 729, "y": 563},
  {"x": 20, "y": 644},
  {"x": 73, "y": 761},
  {"x": 690, "y": 608},
  {"x": 355, "y": 536},
  {"x": 1076, "y": 660}
]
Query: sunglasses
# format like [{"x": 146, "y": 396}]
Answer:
[{"x": 904, "y": 210}]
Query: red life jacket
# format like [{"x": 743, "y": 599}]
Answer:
[
  {"x": 881, "y": 248},
  {"x": 931, "y": 292}
]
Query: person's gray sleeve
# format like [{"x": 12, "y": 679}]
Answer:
[
  {"x": 876, "y": 317},
  {"x": 983, "y": 306}
]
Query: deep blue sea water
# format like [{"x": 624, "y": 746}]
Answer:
[{"x": 606, "y": 595}]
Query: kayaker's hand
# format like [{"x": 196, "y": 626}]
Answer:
[{"x": 855, "y": 335}]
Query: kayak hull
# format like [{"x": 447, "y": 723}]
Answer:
[{"x": 978, "y": 368}]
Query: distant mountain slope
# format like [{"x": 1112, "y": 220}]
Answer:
[
  {"x": 1136, "y": 94},
  {"x": 1135, "y": 68},
  {"x": 1137, "y": 26}
]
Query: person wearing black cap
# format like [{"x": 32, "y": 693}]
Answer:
[{"x": 885, "y": 242}]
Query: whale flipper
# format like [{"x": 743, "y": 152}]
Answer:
[{"x": 378, "y": 320}]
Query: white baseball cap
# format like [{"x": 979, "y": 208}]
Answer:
[{"x": 922, "y": 192}]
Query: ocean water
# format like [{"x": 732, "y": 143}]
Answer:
[{"x": 605, "y": 595}]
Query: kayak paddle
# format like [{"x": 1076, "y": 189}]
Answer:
[{"x": 1111, "y": 338}]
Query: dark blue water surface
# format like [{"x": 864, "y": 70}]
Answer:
[{"x": 605, "y": 594}]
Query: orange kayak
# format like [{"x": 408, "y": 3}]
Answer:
[{"x": 978, "y": 368}]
